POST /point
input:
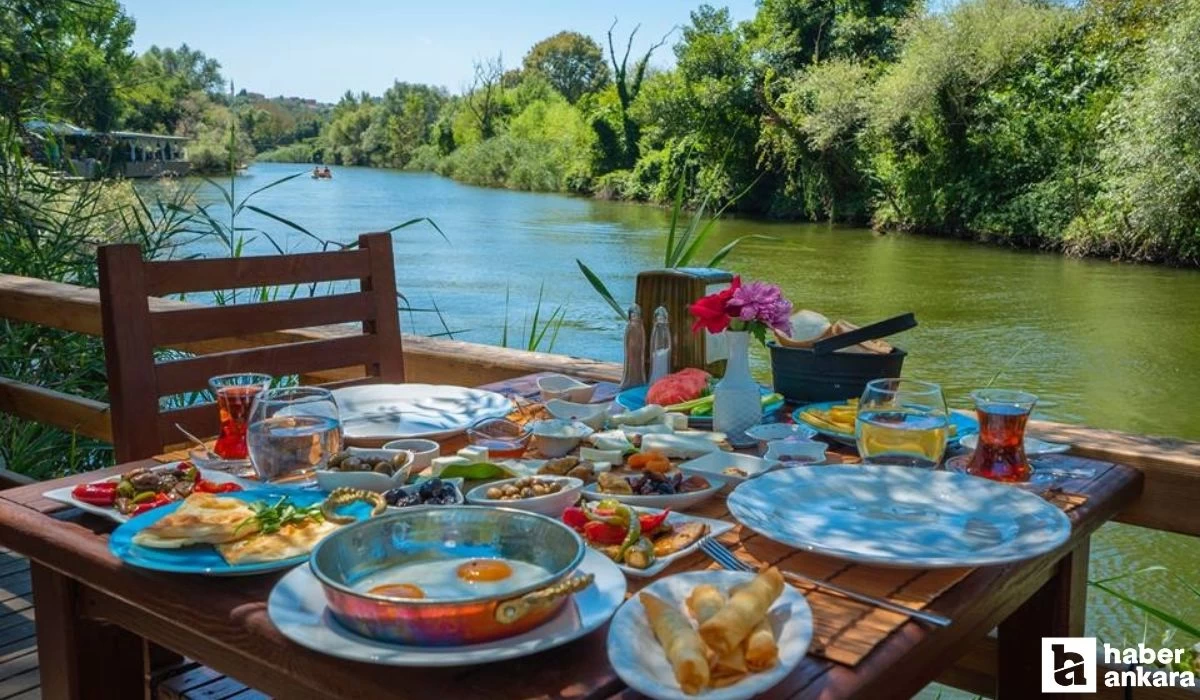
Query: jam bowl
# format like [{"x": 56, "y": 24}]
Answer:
[{"x": 398, "y": 544}]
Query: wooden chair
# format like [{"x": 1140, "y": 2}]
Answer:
[{"x": 132, "y": 331}]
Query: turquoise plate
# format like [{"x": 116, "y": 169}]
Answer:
[
  {"x": 963, "y": 425},
  {"x": 635, "y": 397},
  {"x": 203, "y": 558}
]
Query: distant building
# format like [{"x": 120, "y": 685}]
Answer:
[{"x": 92, "y": 154}]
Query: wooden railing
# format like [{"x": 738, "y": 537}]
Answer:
[{"x": 1171, "y": 466}]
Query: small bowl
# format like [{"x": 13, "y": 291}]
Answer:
[
  {"x": 455, "y": 484},
  {"x": 330, "y": 479},
  {"x": 423, "y": 452},
  {"x": 556, "y": 437},
  {"x": 501, "y": 437},
  {"x": 593, "y": 415},
  {"x": 551, "y": 504},
  {"x": 718, "y": 462},
  {"x": 796, "y": 453},
  {"x": 562, "y": 387},
  {"x": 779, "y": 431}
]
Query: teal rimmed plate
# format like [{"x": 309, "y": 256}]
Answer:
[
  {"x": 634, "y": 398},
  {"x": 202, "y": 558},
  {"x": 963, "y": 425}
]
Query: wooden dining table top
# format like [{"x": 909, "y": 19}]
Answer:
[{"x": 223, "y": 622}]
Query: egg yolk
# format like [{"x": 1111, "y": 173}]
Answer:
[
  {"x": 486, "y": 570},
  {"x": 398, "y": 590}
]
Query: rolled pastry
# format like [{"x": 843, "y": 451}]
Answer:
[
  {"x": 679, "y": 640},
  {"x": 760, "y": 649},
  {"x": 725, "y": 630},
  {"x": 705, "y": 601}
]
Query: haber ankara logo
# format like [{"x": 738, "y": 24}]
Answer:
[{"x": 1068, "y": 664}]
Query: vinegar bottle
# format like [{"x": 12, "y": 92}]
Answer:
[
  {"x": 660, "y": 346},
  {"x": 634, "y": 372}
]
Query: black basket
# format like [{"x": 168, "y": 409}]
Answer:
[{"x": 804, "y": 376}]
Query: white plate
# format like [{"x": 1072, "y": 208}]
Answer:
[
  {"x": 63, "y": 495},
  {"x": 638, "y": 658},
  {"x": 375, "y": 412},
  {"x": 297, "y": 607},
  {"x": 716, "y": 462},
  {"x": 678, "y": 501},
  {"x": 715, "y": 528},
  {"x": 1033, "y": 446},
  {"x": 899, "y": 516}
]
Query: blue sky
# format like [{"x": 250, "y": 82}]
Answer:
[{"x": 313, "y": 48}]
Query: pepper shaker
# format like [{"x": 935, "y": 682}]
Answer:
[{"x": 634, "y": 372}]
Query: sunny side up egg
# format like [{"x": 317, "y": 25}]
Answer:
[{"x": 452, "y": 579}]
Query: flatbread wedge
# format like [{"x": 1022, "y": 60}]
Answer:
[
  {"x": 202, "y": 518},
  {"x": 289, "y": 541}
]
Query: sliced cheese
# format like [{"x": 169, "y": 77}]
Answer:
[
  {"x": 474, "y": 453},
  {"x": 591, "y": 454}
]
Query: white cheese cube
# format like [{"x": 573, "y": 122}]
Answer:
[
  {"x": 475, "y": 453},
  {"x": 440, "y": 463}
]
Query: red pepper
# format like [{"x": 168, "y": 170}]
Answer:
[
  {"x": 227, "y": 487},
  {"x": 103, "y": 493},
  {"x": 597, "y": 532},
  {"x": 206, "y": 486},
  {"x": 160, "y": 499},
  {"x": 574, "y": 518},
  {"x": 652, "y": 522}
]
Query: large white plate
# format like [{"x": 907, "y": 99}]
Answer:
[
  {"x": 297, "y": 607},
  {"x": 899, "y": 516},
  {"x": 638, "y": 658},
  {"x": 63, "y": 495},
  {"x": 375, "y": 412},
  {"x": 677, "y": 501}
]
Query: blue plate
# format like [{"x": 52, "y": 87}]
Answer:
[
  {"x": 963, "y": 425},
  {"x": 203, "y": 558},
  {"x": 635, "y": 397}
]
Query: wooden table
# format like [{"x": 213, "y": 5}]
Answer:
[{"x": 93, "y": 614}]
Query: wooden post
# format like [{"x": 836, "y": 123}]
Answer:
[{"x": 386, "y": 326}]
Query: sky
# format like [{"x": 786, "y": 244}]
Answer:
[{"x": 319, "y": 49}]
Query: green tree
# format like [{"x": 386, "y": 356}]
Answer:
[
  {"x": 484, "y": 100},
  {"x": 573, "y": 63},
  {"x": 628, "y": 86}
]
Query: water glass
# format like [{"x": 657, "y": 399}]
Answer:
[
  {"x": 1000, "y": 454},
  {"x": 293, "y": 432},
  {"x": 902, "y": 422},
  {"x": 235, "y": 395}
]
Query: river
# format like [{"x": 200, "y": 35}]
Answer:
[{"x": 1105, "y": 344}]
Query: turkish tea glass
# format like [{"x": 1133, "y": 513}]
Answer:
[
  {"x": 235, "y": 395},
  {"x": 1000, "y": 454},
  {"x": 293, "y": 432},
  {"x": 902, "y": 422}
]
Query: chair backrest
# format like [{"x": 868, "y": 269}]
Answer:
[{"x": 132, "y": 331}]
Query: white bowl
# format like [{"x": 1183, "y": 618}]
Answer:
[
  {"x": 796, "y": 453},
  {"x": 677, "y": 501},
  {"x": 556, "y": 437},
  {"x": 330, "y": 479},
  {"x": 552, "y": 504},
  {"x": 593, "y": 415},
  {"x": 779, "y": 431},
  {"x": 718, "y": 462},
  {"x": 560, "y": 386},
  {"x": 423, "y": 452}
]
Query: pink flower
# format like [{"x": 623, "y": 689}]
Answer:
[{"x": 763, "y": 303}]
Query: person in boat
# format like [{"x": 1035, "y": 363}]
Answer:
[
  {"x": 316, "y": 171},
  {"x": 326, "y": 173}
]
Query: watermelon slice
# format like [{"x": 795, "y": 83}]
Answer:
[{"x": 684, "y": 385}]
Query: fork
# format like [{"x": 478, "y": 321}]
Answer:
[{"x": 718, "y": 553}]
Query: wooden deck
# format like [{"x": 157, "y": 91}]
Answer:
[{"x": 20, "y": 678}]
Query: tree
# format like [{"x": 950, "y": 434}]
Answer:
[
  {"x": 191, "y": 68},
  {"x": 483, "y": 100},
  {"x": 572, "y": 62},
  {"x": 628, "y": 87}
]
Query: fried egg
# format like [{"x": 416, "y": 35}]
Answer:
[{"x": 452, "y": 579}]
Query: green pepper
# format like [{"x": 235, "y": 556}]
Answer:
[
  {"x": 641, "y": 554},
  {"x": 144, "y": 496},
  {"x": 623, "y": 516},
  {"x": 125, "y": 489}
]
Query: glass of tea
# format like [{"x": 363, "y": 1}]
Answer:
[
  {"x": 235, "y": 394},
  {"x": 1000, "y": 454},
  {"x": 293, "y": 431},
  {"x": 902, "y": 422}
]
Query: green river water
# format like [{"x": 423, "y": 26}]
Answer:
[{"x": 1105, "y": 344}]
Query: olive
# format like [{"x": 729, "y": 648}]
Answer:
[
  {"x": 352, "y": 464},
  {"x": 539, "y": 490},
  {"x": 384, "y": 468},
  {"x": 494, "y": 493},
  {"x": 337, "y": 459},
  {"x": 527, "y": 492}
]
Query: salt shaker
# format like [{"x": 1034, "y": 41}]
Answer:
[
  {"x": 634, "y": 373},
  {"x": 660, "y": 346}
]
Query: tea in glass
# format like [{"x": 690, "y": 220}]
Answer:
[
  {"x": 1000, "y": 454},
  {"x": 902, "y": 422},
  {"x": 235, "y": 395}
]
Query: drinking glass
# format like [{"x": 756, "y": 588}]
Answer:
[
  {"x": 293, "y": 432},
  {"x": 902, "y": 422},
  {"x": 1000, "y": 454},
  {"x": 235, "y": 394}
]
